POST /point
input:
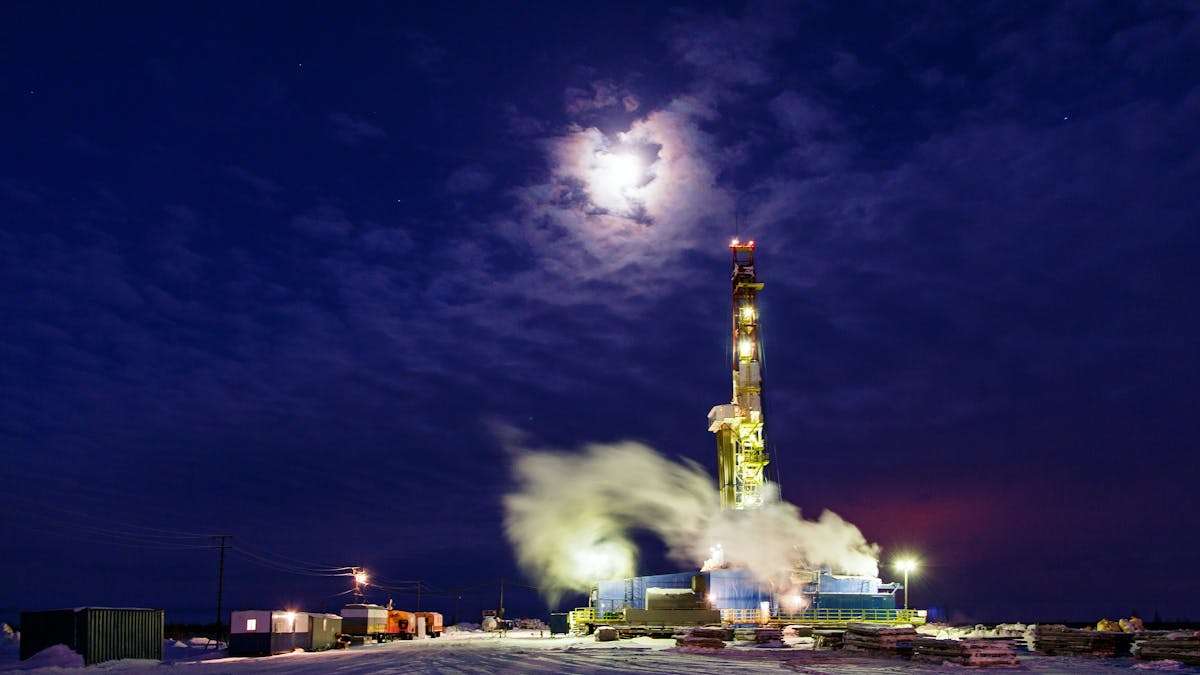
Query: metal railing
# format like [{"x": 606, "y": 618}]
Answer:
[
  {"x": 582, "y": 616},
  {"x": 826, "y": 617}
]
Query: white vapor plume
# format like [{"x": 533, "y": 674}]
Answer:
[{"x": 571, "y": 517}]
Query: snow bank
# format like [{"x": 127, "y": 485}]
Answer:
[
  {"x": 58, "y": 656},
  {"x": 194, "y": 649},
  {"x": 1165, "y": 665}
]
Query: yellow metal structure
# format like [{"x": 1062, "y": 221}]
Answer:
[
  {"x": 826, "y": 617},
  {"x": 741, "y": 448}
]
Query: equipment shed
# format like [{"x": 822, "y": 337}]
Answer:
[{"x": 98, "y": 634}]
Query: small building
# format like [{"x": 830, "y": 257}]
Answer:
[
  {"x": 98, "y": 634},
  {"x": 323, "y": 630},
  {"x": 559, "y": 624},
  {"x": 261, "y": 632}
]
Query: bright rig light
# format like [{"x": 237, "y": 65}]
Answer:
[
  {"x": 746, "y": 348},
  {"x": 906, "y": 565},
  {"x": 360, "y": 577}
]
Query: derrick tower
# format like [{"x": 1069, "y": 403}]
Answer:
[{"x": 741, "y": 450}]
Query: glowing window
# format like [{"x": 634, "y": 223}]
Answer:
[{"x": 251, "y": 624}]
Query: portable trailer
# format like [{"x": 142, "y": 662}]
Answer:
[
  {"x": 433, "y": 623},
  {"x": 365, "y": 621},
  {"x": 263, "y": 632},
  {"x": 401, "y": 624}
]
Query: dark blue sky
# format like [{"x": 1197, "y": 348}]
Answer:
[{"x": 279, "y": 271}]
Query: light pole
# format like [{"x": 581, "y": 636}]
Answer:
[
  {"x": 360, "y": 580},
  {"x": 906, "y": 566}
]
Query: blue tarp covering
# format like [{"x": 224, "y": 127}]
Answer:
[
  {"x": 615, "y": 594},
  {"x": 735, "y": 588},
  {"x": 832, "y": 583}
]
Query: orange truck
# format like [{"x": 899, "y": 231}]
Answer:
[{"x": 433, "y": 623}]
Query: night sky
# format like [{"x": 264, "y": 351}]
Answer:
[{"x": 284, "y": 270}]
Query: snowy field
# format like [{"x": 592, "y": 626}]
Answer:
[{"x": 526, "y": 652}]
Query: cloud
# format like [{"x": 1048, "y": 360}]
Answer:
[
  {"x": 803, "y": 117},
  {"x": 521, "y": 124},
  {"x": 730, "y": 51},
  {"x": 353, "y": 131},
  {"x": 468, "y": 179},
  {"x": 20, "y": 192},
  {"x": 390, "y": 241},
  {"x": 264, "y": 188},
  {"x": 603, "y": 95},
  {"x": 421, "y": 51},
  {"x": 323, "y": 222}
]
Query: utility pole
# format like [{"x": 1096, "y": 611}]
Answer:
[
  {"x": 418, "y": 595},
  {"x": 503, "y": 630},
  {"x": 221, "y": 581}
]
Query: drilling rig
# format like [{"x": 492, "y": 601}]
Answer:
[
  {"x": 731, "y": 593},
  {"x": 739, "y": 425}
]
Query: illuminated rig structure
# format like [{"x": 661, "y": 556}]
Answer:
[
  {"x": 741, "y": 444},
  {"x": 725, "y": 593}
]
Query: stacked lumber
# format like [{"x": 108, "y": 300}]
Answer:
[
  {"x": 970, "y": 652},
  {"x": 882, "y": 640},
  {"x": 1057, "y": 640},
  {"x": 703, "y": 638},
  {"x": 1184, "y": 650}
]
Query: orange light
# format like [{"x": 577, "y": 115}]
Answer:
[
  {"x": 751, "y": 242},
  {"x": 734, "y": 242}
]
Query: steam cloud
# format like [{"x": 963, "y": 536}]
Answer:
[{"x": 572, "y": 514}]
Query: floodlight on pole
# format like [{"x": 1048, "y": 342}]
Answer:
[
  {"x": 360, "y": 579},
  {"x": 906, "y": 565}
]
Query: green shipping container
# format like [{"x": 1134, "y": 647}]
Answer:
[{"x": 98, "y": 634}]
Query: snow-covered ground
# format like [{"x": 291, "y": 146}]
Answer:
[{"x": 526, "y": 652}]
